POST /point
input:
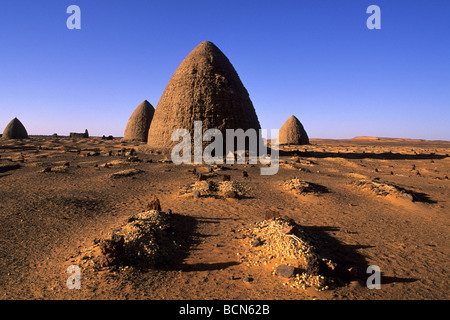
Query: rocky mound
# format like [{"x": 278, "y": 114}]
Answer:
[
  {"x": 145, "y": 241},
  {"x": 298, "y": 186},
  {"x": 384, "y": 189},
  {"x": 283, "y": 245},
  {"x": 221, "y": 189}
]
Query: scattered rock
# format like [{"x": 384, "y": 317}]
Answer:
[
  {"x": 406, "y": 196},
  {"x": 285, "y": 271},
  {"x": 230, "y": 194},
  {"x": 125, "y": 173},
  {"x": 271, "y": 214},
  {"x": 8, "y": 167},
  {"x": 256, "y": 242},
  {"x": 112, "y": 251},
  {"x": 154, "y": 204},
  {"x": 92, "y": 154},
  {"x": 288, "y": 230}
]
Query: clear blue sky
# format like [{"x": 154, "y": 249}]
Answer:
[{"x": 315, "y": 59}]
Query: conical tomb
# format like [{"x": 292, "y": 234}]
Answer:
[
  {"x": 15, "y": 130},
  {"x": 139, "y": 122},
  {"x": 206, "y": 88},
  {"x": 292, "y": 132}
]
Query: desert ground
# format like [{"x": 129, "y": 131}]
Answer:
[{"x": 372, "y": 201}]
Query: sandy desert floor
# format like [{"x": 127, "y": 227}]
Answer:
[{"x": 57, "y": 198}]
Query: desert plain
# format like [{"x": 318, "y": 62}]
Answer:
[{"x": 374, "y": 201}]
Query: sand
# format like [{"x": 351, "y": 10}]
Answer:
[{"x": 47, "y": 217}]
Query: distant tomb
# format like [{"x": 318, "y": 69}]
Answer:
[
  {"x": 15, "y": 130},
  {"x": 79, "y": 135}
]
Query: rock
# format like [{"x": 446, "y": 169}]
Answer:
[
  {"x": 7, "y": 167},
  {"x": 244, "y": 174},
  {"x": 247, "y": 279},
  {"x": 125, "y": 173},
  {"x": 256, "y": 242},
  {"x": 285, "y": 271},
  {"x": 271, "y": 214},
  {"x": 231, "y": 194},
  {"x": 93, "y": 154},
  {"x": 312, "y": 264},
  {"x": 202, "y": 177},
  {"x": 196, "y": 194},
  {"x": 134, "y": 159},
  {"x": 112, "y": 251},
  {"x": 154, "y": 204},
  {"x": 407, "y": 196},
  {"x": 288, "y": 230},
  {"x": 226, "y": 177}
]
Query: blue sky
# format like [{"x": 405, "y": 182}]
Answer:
[{"x": 315, "y": 59}]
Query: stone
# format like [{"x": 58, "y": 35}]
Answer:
[
  {"x": 256, "y": 242},
  {"x": 271, "y": 214},
  {"x": 288, "y": 230},
  {"x": 154, "y": 204},
  {"x": 285, "y": 271},
  {"x": 230, "y": 194},
  {"x": 312, "y": 264},
  {"x": 407, "y": 196},
  {"x": 112, "y": 251}
]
